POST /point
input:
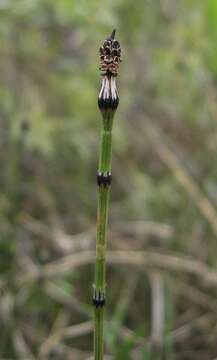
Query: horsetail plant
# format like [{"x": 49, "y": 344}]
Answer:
[{"x": 108, "y": 100}]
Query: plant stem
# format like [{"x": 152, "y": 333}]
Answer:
[
  {"x": 108, "y": 100},
  {"x": 102, "y": 220}
]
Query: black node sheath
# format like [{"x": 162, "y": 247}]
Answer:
[
  {"x": 98, "y": 298},
  {"x": 104, "y": 179},
  {"x": 108, "y": 103}
]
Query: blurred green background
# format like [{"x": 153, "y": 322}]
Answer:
[{"x": 162, "y": 282}]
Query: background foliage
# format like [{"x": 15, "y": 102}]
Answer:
[{"x": 164, "y": 193}]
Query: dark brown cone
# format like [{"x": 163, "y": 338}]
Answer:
[{"x": 110, "y": 56}]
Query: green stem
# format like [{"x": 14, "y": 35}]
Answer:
[{"x": 102, "y": 221}]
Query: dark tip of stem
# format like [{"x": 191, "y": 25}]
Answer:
[{"x": 112, "y": 36}]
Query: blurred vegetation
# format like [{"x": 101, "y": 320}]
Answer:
[{"x": 164, "y": 193}]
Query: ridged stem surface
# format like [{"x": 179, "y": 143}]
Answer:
[{"x": 102, "y": 220}]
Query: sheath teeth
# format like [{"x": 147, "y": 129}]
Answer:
[
  {"x": 108, "y": 95},
  {"x": 98, "y": 298},
  {"x": 104, "y": 178}
]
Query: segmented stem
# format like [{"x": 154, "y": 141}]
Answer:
[
  {"x": 108, "y": 100},
  {"x": 104, "y": 173}
]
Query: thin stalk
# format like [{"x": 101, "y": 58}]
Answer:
[
  {"x": 102, "y": 221},
  {"x": 110, "y": 57}
]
